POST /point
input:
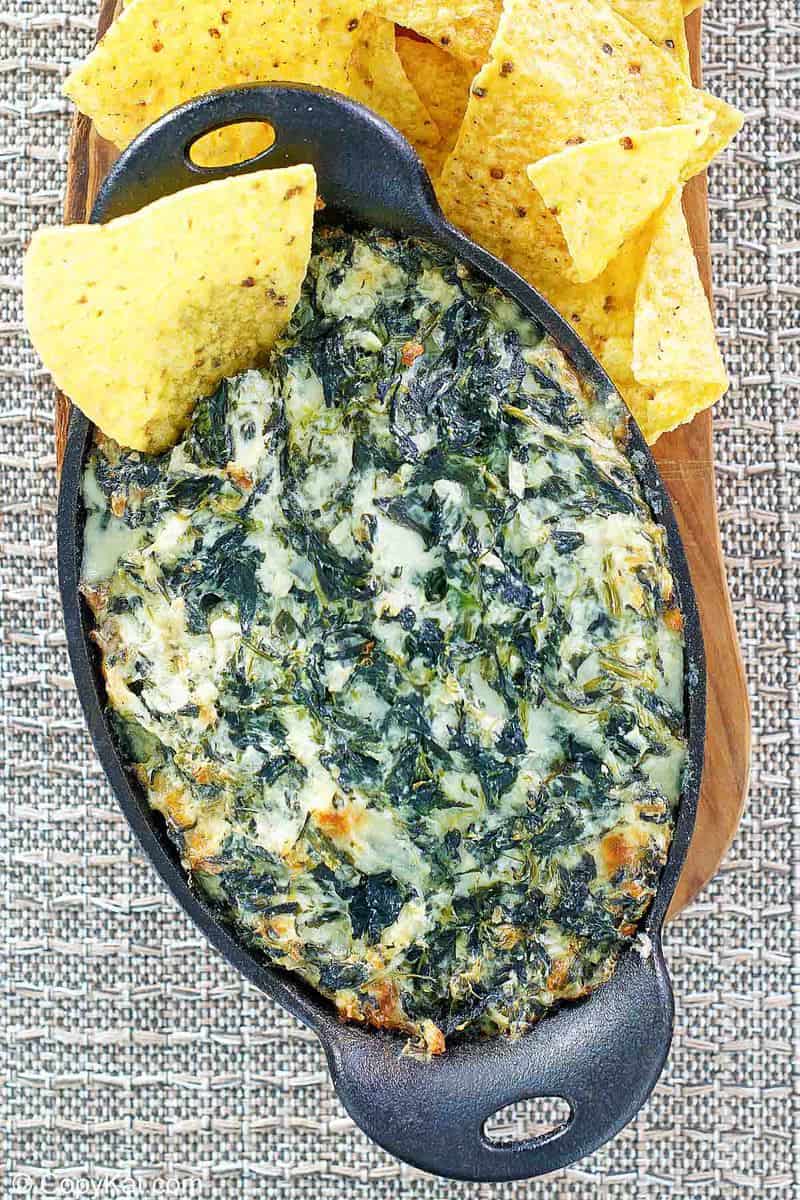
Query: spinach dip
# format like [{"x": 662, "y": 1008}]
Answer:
[{"x": 391, "y": 640}]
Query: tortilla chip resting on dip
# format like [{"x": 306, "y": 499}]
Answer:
[{"x": 139, "y": 318}]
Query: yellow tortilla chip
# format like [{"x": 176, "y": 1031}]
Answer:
[
  {"x": 379, "y": 80},
  {"x": 673, "y": 333},
  {"x": 675, "y": 351},
  {"x": 442, "y": 84},
  {"x": 560, "y": 72},
  {"x": 606, "y": 314},
  {"x": 671, "y": 405},
  {"x": 602, "y": 310},
  {"x": 234, "y": 144},
  {"x": 662, "y": 21},
  {"x": 464, "y": 28},
  {"x": 601, "y": 192},
  {"x": 159, "y": 53},
  {"x": 139, "y": 318},
  {"x": 723, "y": 123}
]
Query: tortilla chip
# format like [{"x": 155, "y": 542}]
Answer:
[
  {"x": 464, "y": 28},
  {"x": 600, "y": 192},
  {"x": 139, "y": 318},
  {"x": 675, "y": 351},
  {"x": 560, "y": 72},
  {"x": 379, "y": 80},
  {"x": 603, "y": 314},
  {"x": 663, "y": 22},
  {"x": 158, "y": 54},
  {"x": 673, "y": 338},
  {"x": 234, "y": 144},
  {"x": 723, "y": 123},
  {"x": 672, "y": 405},
  {"x": 442, "y": 84},
  {"x": 602, "y": 310}
]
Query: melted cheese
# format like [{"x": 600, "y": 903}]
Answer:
[{"x": 386, "y": 639}]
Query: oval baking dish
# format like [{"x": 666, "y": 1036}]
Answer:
[{"x": 602, "y": 1054}]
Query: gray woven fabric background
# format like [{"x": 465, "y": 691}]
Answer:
[{"x": 129, "y": 1050}]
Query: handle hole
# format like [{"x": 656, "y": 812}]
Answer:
[
  {"x": 232, "y": 145},
  {"x": 528, "y": 1120}
]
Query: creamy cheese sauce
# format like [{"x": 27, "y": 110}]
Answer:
[{"x": 390, "y": 639}]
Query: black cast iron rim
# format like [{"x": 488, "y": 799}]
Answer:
[{"x": 602, "y": 1054}]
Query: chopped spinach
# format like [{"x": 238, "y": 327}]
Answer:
[{"x": 388, "y": 649}]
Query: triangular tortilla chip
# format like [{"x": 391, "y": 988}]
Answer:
[
  {"x": 379, "y": 80},
  {"x": 671, "y": 405},
  {"x": 601, "y": 192},
  {"x": 673, "y": 331},
  {"x": 464, "y": 28},
  {"x": 158, "y": 54},
  {"x": 525, "y": 104},
  {"x": 723, "y": 123},
  {"x": 661, "y": 21},
  {"x": 442, "y": 84},
  {"x": 139, "y": 318}
]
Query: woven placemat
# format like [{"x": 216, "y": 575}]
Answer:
[{"x": 134, "y": 1061}]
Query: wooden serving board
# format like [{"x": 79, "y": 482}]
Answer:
[{"x": 685, "y": 458}]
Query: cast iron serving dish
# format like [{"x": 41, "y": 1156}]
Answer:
[{"x": 602, "y": 1054}]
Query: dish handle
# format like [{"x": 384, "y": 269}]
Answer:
[
  {"x": 602, "y": 1055},
  {"x": 366, "y": 171}
]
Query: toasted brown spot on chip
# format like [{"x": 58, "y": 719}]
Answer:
[
  {"x": 626, "y": 143},
  {"x": 497, "y": 173},
  {"x": 249, "y": 282},
  {"x": 507, "y": 68}
]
